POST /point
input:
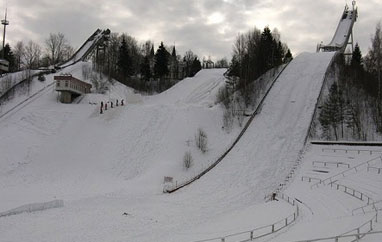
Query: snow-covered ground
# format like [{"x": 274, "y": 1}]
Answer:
[
  {"x": 108, "y": 169},
  {"x": 326, "y": 211}
]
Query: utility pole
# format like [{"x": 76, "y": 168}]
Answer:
[{"x": 4, "y": 22}]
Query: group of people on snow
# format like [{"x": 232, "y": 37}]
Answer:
[{"x": 104, "y": 105}]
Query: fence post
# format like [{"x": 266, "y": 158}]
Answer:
[
  {"x": 251, "y": 236},
  {"x": 223, "y": 240},
  {"x": 376, "y": 217},
  {"x": 357, "y": 236},
  {"x": 371, "y": 224},
  {"x": 336, "y": 239},
  {"x": 286, "y": 222},
  {"x": 273, "y": 228}
]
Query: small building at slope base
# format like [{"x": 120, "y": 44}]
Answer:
[{"x": 70, "y": 87}]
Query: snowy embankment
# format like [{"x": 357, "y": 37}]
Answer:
[
  {"x": 72, "y": 152},
  {"x": 33, "y": 207}
]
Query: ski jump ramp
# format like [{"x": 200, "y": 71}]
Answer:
[
  {"x": 98, "y": 37},
  {"x": 343, "y": 32},
  {"x": 272, "y": 143},
  {"x": 275, "y": 138}
]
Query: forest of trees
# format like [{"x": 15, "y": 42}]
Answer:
[
  {"x": 352, "y": 109},
  {"x": 141, "y": 67},
  {"x": 31, "y": 55},
  {"x": 123, "y": 59},
  {"x": 254, "y": 53}
]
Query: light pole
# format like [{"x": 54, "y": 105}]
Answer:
[{"x": 4, "y": 22}]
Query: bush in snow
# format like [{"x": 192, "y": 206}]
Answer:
[
  {"x": 187, "y": 160},
  {"x": 223, "y": 96},
  {"x": 201, "y": 140},
  {"x": 41, "y": 77}
]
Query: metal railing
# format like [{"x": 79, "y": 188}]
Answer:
[
  {"x": 348, "y": 237},
  {"x": 359, "y": 151},
  {"x": 368, "y": 226},
  {"x": 310, "y": 179},
  {"x": 374, "y": 168},
  {"x": 372, "y": 207},
  {"x": 327, "y": 163},
  {"x": 329, "y": 180},
  {"x": 260, "y": 232},
  {"x": 352, "y": 192}
]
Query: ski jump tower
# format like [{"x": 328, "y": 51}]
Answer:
[{"x": 344, "y": 33}]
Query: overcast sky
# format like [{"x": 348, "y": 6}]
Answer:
[{"x": 208, "y": 27}]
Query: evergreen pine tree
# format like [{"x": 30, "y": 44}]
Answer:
[
  {"x": 356, "y": 60},
  {"x": 124, "y": 61},
  {"x": 266, "y": 50},
  {"x": 332, "y": 114},
  {"x": 9, "y": 56},
  {"x": 173, "y": 54},
  {"x": 288, "y": 56},
  {"x": 195, "y": 67},
  {"x": 145, "y": 69},
  {"x": 161, "y": 64},
  {"x": 152, "y": 53}
]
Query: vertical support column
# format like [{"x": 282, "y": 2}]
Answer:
[{"x": 357, "y": 236}]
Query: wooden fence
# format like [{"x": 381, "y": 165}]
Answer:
[
  {"x": 263, "y": 231},
  {"x": 329, "y": 180}
]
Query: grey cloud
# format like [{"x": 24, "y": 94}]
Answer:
[{"x": 302, "y": 23}]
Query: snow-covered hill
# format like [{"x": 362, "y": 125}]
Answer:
[{"x": 109, "y": 168}]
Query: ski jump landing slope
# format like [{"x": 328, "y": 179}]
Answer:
[{"x": 263, "y": 156}]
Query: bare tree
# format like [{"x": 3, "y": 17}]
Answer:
[
  {"x": 32, "y": 55},
  {"x": 19, "y": 53},
  {"x": 57, "y": 47},
  {"x": 201, "y": 140}
]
